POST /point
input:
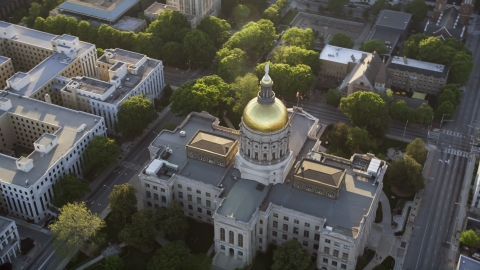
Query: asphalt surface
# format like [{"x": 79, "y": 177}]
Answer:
[{"x": 98, "y": 200}]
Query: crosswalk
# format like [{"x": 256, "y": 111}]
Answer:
[
  {"x": 130, "y": 165},
  {"x": 476, "y": 32},
  {"x": 457, "y": 152},
  {"x": 452, "y": 133}
]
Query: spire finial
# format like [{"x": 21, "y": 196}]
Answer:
[{"x": 267, "y": 68}]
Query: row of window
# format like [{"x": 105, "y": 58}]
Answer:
[
  {"x": 231, "y": 237},
  {"x": 334, "y": 263},
  {"x": 309, "y": 188}
]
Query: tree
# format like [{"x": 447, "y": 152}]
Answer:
[
  {"x": 358, "y": 138},
  {"x": 114, "y": 263},
  {"x": 418, "y": 9},
  {"x": 68, "y": 189},
  {"x": 293, "y": 55},
  {"x": 71, "y": 27},
  {"x": 169, "y": 26},
  {"x": 333, "y": 97},
  {"x": 217, "y": 29},
  {"x": 339, "y": 134},
  {"x": 460, "y": 68},
  {"x": 447, "y": 95},
  {"x": 92, "y": 34},
  {"x": 231, "y": 63},
  {"x": 380, "y": 5},
  {"x": 198, "y": 48},
  {"x": 400, "y": 110},
  {"x": 141, "y": 232},
  {"x": 82, "y": 30},
  {"x": 430, "y": 49},
  {"x": 172, "y": 222},
  {"x": 469, "y": 238},
  {"x": 199, "y": 262},
  {"x": 416, "y": 149},
  {"x": 336, "y": 6},
  {"x": 295, "y": 36},
  {"x": 75, "y": 225},
  {"x": 100, "y": 52},
  {"x": 342, "y": 40},
  {"x": 101, "y": 153},
  {"x": 272, "y": 13},
  {"x": 367, "y": 109},
  {"x": 455, "y": 90},
  {"x": 173, "y": 53},
  {"x": 240, "y": 13},
  {"x": 374, "y": 45},
  {"x": 209, "y": 94},
  {"x": 255, "y": 37},
  {"x": 411, "y": 45},
  {"x": 173, "y": 256},
  {"x": 423, "y": 114},
  {"x": 445, "y": 110},
  {"x": 292, "y": 256},
  {"x": 245, "y": 88},
  {"x": 406, "y": 174},
  {"x": 135, "y": 114},
  {"x": 35, "y": 11},
  {"x": 282, "y": 4},
  {"x": 123, "y": 203},
  {"x": 366, "y": 13}
]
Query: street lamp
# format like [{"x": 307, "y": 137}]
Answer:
[
  {"x": 405, "y": 129},
  {"x": 441, "y": 122}
]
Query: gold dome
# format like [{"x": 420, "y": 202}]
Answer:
[{"x": 265, "y": 118}]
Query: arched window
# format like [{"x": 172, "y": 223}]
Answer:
[
  {"x": 222, "y": 234},
  {"x": 231, "y": 239},
  {"x": 240, "y": 240}
]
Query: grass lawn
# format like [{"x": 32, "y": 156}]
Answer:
[
  {"x": 136, "y": 259},
  {"x": 80, "y": 259},
  {"x": 288, "y": 18},
  {"x": 263, "y": 260},
  {"x": 200, "y": 236},
  {"x": 388, "y": 263}
]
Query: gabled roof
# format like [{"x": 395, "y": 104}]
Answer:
[
  {"x": 317, "y": 172},
  {"x": 212, "y": 142}
]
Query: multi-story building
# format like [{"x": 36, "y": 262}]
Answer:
[
  {"x": 9, "y": 240},
  {"x": 6, "y": 70},
  {"x": 153, "y": 11},
  {"x": 39, "y": 143},
  {"x": 198, "y": 8},
  {"x": 417, "y": 76},
  {"x": 450, "y": 20},
  {"x": 105, "y": 11},
  {"x": 277, "y": 187},
  {"x": 337, "y": 62},
  {"x": 391, "y": 28},
  {"x": 8, "y": 7},
  {"x": 121, "y": 74}
]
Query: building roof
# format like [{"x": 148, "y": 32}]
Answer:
[
  {"x": 129, "y": 24},
  {"x": 212, "y": 142},
  {"x": 389, "y": 38},
  {"x": 45, "y": 139},
  {"x": 466, "y": 263},
  {"x": 95, "y": 86},
  {"x": 5, "y": 223},
  {"x": 448, "y": 19},
  {"x": 370, "y": 68},
  {"x": 157, "y": 8},
  {"x": 341, "y": 55},
  {"x": 394, "y": 19},
  {"x": 418, "y": 67},
  {"x": 105, "y": 10},
  {"x": 68, "y": 121},
  {"x": 121, "y": 55},
  {"x": 3, "y": 59},
  {"x": 318, "y": 172}
]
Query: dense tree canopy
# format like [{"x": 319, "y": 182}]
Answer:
[
  {"x": 342, "y": 40},
  {"x": 288, "y": 80},
  {"x": 292, "y": 256},
  {"x": 367, "y": 109},
  {"x": 135, "y": 114},
  {"x": 359, "y": 139},
  {"x": 400, "y": 110},
  {"x": 293, "y": 55},
  {"x": 217, "y": 29},
  {"x": 245, "y": 88},
  {"x": 171, "y": 222},
  {"x": 336, "y": 6},
  {"x": 255, "y": 37},
  {"x": 333, "y": 97},
  {"x": 68, "y": 189},
  {"x": 423, "y": 114},
  {"x": 209, "y": 94},
  {"x": 75, "y": 225},
  {"x": 469, "y": 238},
  {"x": 170, "y": 26},
  {"x": 416, "y": 149},
  {"x": 240, "y": 13},
  {"x": 374, "y": 45},
  {"x": 173, "y": 53},
  {"x": 272, "y": 13},
  {"x": 406, "y": 174},
  {"x": 295, "y": 36},
  {"x": 418, "y": 9},
  {"x": 194, "y": 40},
  {"x": 114, "y": 263},
  {"x": 231, "y": 63},
  {"x": 141, "y": 232},
  {"x": 101, "y": 153},
  {"x": 123, "y": 203},
  {"x": 176, "y": 256},
  {"x": 445, "y": 110}
]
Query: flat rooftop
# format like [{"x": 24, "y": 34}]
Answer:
[
  {"x": 394, "y": 19},
  {"x": 110, "y": 10},
  {"x": 5, "y": 223},
  {"x": 3, "y": 59},
  {"x": 389, "y": 38},
  {"x": 131, "y": 58},
  {"x": 45, "y": 139},
  {"x": 92, "y": 85},
  {"x": 67, "y": 135},
  {"x": 34, "y": 37},
  {"x": 129, "y": 24},
  {"x": 466, "y": 263},
  {"x": 341, "y": 55},
  {"x": 417, "y": 66},
  {"x": 157, "y": 8}
]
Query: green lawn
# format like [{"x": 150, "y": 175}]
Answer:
[
  {"x": 200, "y": 236},
  {"x": 263, "y": 260},
  {"x": 136, "y": 259},
  {"x": 388, "y": 263},
  {"x": 80, "y": 259},
  {"x": 288, "y": 18}
]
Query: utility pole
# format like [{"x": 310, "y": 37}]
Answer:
[
  {"x": 405, "y": 129},
  {"x": 441, "y": 122}
]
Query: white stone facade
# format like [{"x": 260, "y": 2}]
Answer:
[{"x": 9, "y": 240}]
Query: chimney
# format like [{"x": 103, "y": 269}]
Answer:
[{"x": 405, "y": 59}]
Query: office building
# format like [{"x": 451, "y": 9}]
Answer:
[
  {"x": 105, "y": 11},
  {"x": 277, "y": 187},
  {"x": 197, "y": 8},
  {"x": 391, "y": 28},
  {"x": 9, "y": 240},
  {"x": 450, "y": 21},
  {"x": 337, "y": 62}
]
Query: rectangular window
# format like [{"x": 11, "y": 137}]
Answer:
[
  {"x": 305, "y": 243},
  {"x": 208, "y": 194},
  {"x": 284, "y": 237},
  {"x": 334, "y": 263},
  {"x": 199, "y": 192},
  {"x": 180, "y": 195},
  {"x": 155, "y": 196},
  {"x": 327, "y": 241},
  {"x": 199, "y": 200},
  {"x": 209, "y": 212},
  {"x": 199, "y": 209},
  {"x": 275, "y": 224},
  {"x": 295, "y": 221},
  {"x": 149, "y": 195},
  {"x": 260, "y": 231},
  {"x": 179, "y": 186},
  {"x": 209, "y": 204},
  {"x": 326, "y": 250},
  {"x": 343, "y": 266},
  {"x": 325, "y": 260},
  {"x": 275, "y": 215},
  {"x": 285, "y": 227},
  {"x": 337, "y": 244},
  {"x": 295, "y": 230},
  {"x": 306, "y": 234},
  {"x": 345, "y": 256},
  {"x": 285, "y": 218},
  {"x": 335, "y": 253},
  {"x": 189, "y": 197},
  {"x": 274, "y": 233},
  {"x": 317, "y": 237},
  {"x": 346, "y": 247},
  {"x": 189, "y": 188},
  {"x": 190, "y": 207},
  {"x": 315, "y": 246},
  {"x": 307, "y": 225}
]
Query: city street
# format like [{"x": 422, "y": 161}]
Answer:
[{"x": 98, "y": 200}]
